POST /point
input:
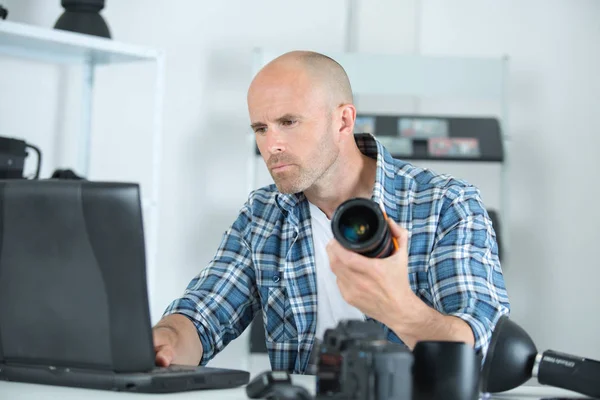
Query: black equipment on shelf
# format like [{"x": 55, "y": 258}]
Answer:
[
  {"x": 83, "y": 16},
  {"x": 426, "y": 137},
  {"x": 12, "y": 158},
  {"x": 3, "y": 12}
]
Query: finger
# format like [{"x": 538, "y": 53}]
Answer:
[
  {"x": 332, "y": 255},
  {"x": 358, "y": 269},
  {"x": 399, "y": 233},
  {"x": 342, "y": 259},
  {"x": 339, "y": 268},
  {"x": 395, "y": 228},
  {"x": 164, "y": 356},
  {"x": 344, "y": 289},
  {"x": 334, "y": 248}
]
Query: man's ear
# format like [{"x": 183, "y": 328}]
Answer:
[{"x": 348, "y": 117}]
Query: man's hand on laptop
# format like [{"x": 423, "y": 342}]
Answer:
[{"x": 176, "y": 341}]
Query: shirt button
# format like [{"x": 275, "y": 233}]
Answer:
[{"x": 276, "y": 278}]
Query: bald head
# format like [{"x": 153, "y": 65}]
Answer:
[
  {"x": 301, "y": 112},
  {"x": 316, "y": 69}
]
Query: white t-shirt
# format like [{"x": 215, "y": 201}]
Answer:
[{"x": 331, "y": 306}]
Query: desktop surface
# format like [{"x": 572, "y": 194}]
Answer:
[{"x": 26, "y": 391}]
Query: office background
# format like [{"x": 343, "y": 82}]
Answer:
[{"x": 554, "y": 52}]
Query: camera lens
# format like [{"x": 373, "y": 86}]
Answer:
[{"x": 359, "y": 225}]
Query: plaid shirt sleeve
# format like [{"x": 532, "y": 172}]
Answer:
[
  {"x": 222, "y": 299},
  {"x": 464, "y": 270}
]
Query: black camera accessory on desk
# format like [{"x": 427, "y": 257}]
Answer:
[
  {"x": 445, "y": 370},
  {"x": 356, "y": 362},
  {"x": 275, "y": 385},
  {"x": 513, "y": 359},
  {"x": 263, "y": 384}
]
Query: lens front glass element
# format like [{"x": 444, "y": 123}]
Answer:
[{"x": 358, "y": 224}]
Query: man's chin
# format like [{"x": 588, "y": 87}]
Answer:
[{"x": 288, "y": 189}]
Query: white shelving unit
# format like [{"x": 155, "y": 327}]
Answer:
[
  {"x": 52, "y": 46},
  {"x": 418, "y": 76}
]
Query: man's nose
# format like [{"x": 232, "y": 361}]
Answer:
[{"x": 275, "y": 141}]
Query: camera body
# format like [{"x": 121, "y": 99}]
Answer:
[{"x": 356, "y": 362}]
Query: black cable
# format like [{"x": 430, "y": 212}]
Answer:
[{"x": 39, "y": 155}]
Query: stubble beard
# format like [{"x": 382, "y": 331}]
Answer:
[
  {"x": 295, "y": 181},
  {"x": 302, "y": 178}
]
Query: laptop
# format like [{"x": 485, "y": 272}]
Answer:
[{"x": 73, "y": 295}]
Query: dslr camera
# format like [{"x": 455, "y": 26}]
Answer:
[{"x": 356, "y": 362}]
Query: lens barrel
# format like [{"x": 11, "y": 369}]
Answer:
[{"x": 359, "y": 225}]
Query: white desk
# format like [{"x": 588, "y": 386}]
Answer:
[{"x": 22, "y": 391}]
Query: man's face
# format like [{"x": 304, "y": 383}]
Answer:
[{"x": 292, "y": 120}]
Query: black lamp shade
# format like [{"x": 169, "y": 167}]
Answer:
[{"x": 510, "y": 358}]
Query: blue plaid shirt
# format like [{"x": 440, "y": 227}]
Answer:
[{"x": 266, "y": 262}]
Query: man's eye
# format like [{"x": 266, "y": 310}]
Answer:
[
  {"x": 260, "y": 130},
  {"x": 288, "y": 122}
]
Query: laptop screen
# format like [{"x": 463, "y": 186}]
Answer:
[{"x": 72, "y": 276}]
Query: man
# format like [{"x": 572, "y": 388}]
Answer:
[{"x": 443, "y": 283}]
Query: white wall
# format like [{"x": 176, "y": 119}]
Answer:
[
  {"x": 554, "y": 59},
  {"x": 554, "y": 91}
]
